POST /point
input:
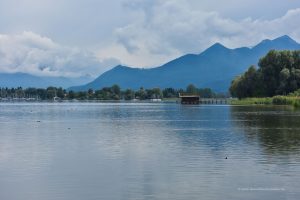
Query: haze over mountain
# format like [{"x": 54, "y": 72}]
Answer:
[
  {"x": 26, "y": 80},
  {"x": 213, "y": 68}
]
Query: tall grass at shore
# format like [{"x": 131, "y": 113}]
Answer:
[
  {"x": 276, "y": 100},
  {"x": 292, "y": 99},
  {"x": 252, "y": 101},
  {"x": 286, "y": 100}
]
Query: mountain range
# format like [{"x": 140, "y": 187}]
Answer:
[{"x": 213, "y": 68}]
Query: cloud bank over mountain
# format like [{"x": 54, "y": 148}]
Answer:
[
  {"x": 166, "y": 27},
  {"x": 31, "y": 53},
  {"x": 75, "y": 38}
]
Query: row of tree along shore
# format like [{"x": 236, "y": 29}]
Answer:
[
  {"x": 107, "y": 93},
  {"x": 276, "y": 81}
]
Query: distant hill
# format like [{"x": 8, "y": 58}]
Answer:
[
  {"x": 213, "y": 68},
  {"x": 26, "y": 80}
]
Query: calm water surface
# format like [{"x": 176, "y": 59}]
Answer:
[{"x": 86, "y": 151}]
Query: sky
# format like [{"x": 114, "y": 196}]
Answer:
[{"x": 88, "y": 37}]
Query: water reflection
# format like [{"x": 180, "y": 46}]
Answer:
[
  {"x": 275, "y": 129},
  {"x": 147, "y": 151}
]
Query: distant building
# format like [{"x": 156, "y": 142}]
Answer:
[
  {"x": 155, "y": 100},
  {"x": 189, "y": 98}
]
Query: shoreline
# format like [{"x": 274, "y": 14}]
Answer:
[
  {"x": 88, "y": 101},
  {"x": 293, "y": 101}
]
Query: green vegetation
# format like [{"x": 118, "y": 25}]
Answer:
[
  {"x": 278, "y": 74},
  {"x": 252, "y": 101},
  {"x": 107, "y": 93},
  {"x": 292, "y": 99},
  {"x": 276, "y": 100},
  {"x": 275, "y": 81}
]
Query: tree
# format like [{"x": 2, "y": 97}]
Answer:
[
  {"x": 116, "y": 90},
  {"x": 278, "y": 74},
  {"x": 51, "y": 93},
  {"x": 42, "y": 93},
  {"x": 191, "y": 89},
  {"x": 71, "y": 95},
  {"x": 129, "y": 94},
  {"x": 157, "y": 94},
  {"x": 141, "y": 94},
  {"x": 60, "y": 93},
  {"x": 206, "y": 93},
  {"x": 247, "y": 85},
  {"x": 169, "y": 93},
  {"x": 82, "y": 95}
]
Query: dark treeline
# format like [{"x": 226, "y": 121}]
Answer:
[
  {"x": 33, "y": 93},
  {"x": 107, "y": 93},
  {"x": 278, "y": 74}
]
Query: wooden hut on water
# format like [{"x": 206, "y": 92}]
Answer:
[{"x": 189, "y": 98}]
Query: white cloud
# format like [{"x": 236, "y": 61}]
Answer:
[
  {"x": 165, "y": 29},
  {"x": 141, "y": 33},
  {"x": 31, "y": 53}
]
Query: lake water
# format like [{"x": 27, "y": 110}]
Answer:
[{"x": 92, "y": 151}]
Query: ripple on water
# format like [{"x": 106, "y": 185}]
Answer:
[{"x": 147, "y": 151}]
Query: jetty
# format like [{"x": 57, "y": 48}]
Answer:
[{"x": 196, "y": 99}]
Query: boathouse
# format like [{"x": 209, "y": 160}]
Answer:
[{"x": 189, "y": 98}]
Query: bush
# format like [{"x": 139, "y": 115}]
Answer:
[{"x": 296, "y": 102}]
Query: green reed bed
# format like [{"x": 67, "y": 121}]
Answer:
[
  {"x": 252, "y": 101},
  {"x": 276, "y": 100}
]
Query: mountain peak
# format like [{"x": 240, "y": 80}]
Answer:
[
  {"x": 120, "y": 67},
  {"x": 218, "y": 46},
  {"x": 280, "y": 43},
  {"x": 285, "y": 38}
]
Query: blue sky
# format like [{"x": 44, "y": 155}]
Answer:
[{"x": 74, "y": 38}]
